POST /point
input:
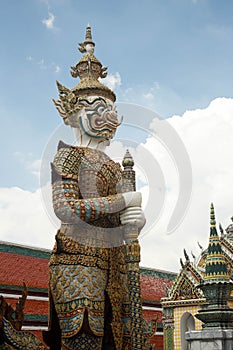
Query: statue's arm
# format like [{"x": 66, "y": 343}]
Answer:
[{"x": 69, "y": 207}]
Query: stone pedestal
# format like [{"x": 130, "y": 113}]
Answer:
[{"x": 210, "y": 339}]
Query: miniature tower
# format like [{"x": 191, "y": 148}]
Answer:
[
  {"x": 216, "y": 285},
  {"x": 217, "y": 317}
]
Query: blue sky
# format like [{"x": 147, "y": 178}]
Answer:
[
  {"x": 170, "y": 56},
  {"x": 181, "y": 50}
]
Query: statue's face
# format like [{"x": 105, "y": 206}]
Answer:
[{"x": 98, "y": 118}]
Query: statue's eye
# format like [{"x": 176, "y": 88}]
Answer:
[{"x": 101, "y": 109}]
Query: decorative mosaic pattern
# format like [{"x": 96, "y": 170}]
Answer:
[
  {"x": 78, "y": 173},
  {"x": 185, "y": 284},
  {"x": 76, "y": 288},
  {"x": 21, "y": 340},
  {"x": 168, "y": 338},
  {"x": 69, "y": 282},
  {"x": 178, "y": 312},
  {"x": 83, "y": 341}
]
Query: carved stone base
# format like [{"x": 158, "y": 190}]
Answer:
[{"x": 214, "y": 339}]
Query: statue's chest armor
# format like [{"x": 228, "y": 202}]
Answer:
[{"x": 98, "y": 175}]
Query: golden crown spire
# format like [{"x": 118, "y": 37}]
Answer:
[{"x": 89, "y": 69}]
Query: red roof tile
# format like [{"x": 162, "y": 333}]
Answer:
[
  {"x": 151, "y": 314},
  {"x": 16, "y": 269},
  {"x": 153, "y": 287}
]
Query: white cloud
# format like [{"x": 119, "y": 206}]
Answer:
[
  {"x": 113, "y": 81},
  {"x": 23, "y": 218},
  {"x": 207, "y": 136},
  {"x": 49, "y": 22}
]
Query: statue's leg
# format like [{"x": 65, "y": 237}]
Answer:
[{"x": 82, "y": 341}]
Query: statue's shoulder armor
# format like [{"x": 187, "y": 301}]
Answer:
[{"x": 67, "y": 161}]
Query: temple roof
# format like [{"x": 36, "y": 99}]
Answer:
[
  {"x": 23, "y": 264},
  {"x": 154, "y": 283},
  {"x": 185, "y": 285},
  {"x": 214, "y": 266}
]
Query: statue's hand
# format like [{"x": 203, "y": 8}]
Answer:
[
  {"x": 133, "y": 215},
  {"x": 132, "y": 199}
]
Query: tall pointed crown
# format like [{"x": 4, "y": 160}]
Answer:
[
  {"x": 88, "y": 36},
  {"x": 89, "y": 69},
  {"x": 216, "y": 266}
]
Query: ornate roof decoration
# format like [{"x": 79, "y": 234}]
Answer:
[
  {"x": 213, "y": 267},
  {"x": 221, "y": 230},
  {"x": 216, "y": 266},
  {"x": 229, "y": 231},
  {"x": 14, "y": 315},
  {"x": 185, "y": 285}
]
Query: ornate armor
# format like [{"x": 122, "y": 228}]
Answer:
[{"x": 87, "y": 267}]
